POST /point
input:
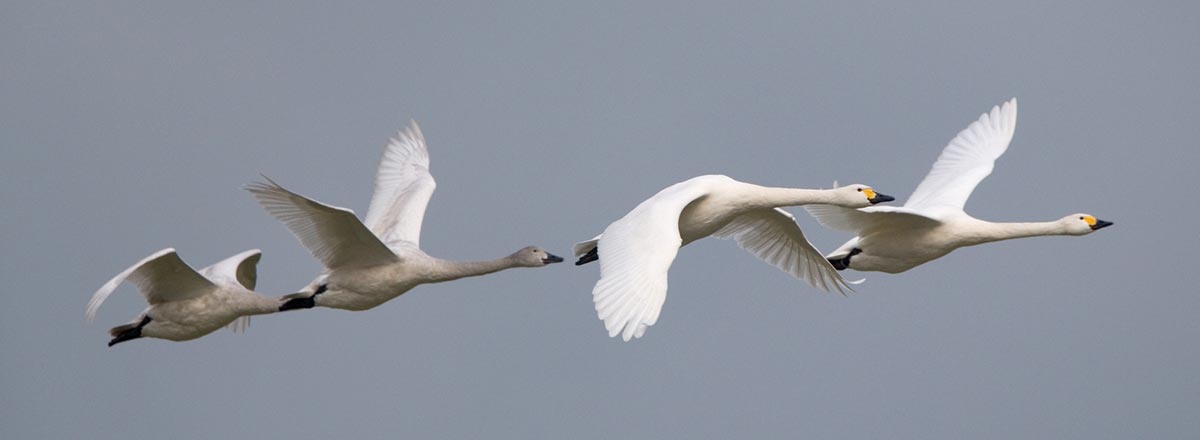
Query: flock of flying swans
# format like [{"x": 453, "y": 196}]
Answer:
[{"x": 370, "y": 261}]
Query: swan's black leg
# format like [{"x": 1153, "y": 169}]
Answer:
[
  {"x": 589, "y": 257},
  {"x": 844, "y": 262},
  {"x": 303, "y": 303},
  {"x": 130, "y": 334}
]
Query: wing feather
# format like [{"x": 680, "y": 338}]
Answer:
[
  {"x": 636, "y": 253},
  {"x": 965, "y": 162},
  {"x": 333, "y": 235},
  {"x": 241, "y": 269},
  {"x": 403, "y": 187},
  {"x": 160, "y": 277},
  {"x": 868, "y": 219},
  {"x": 773, "y": 236}
]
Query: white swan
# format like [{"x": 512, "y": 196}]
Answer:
[
  {"x": 636, "y": 251},
  {"x": 932, "y": 223},
  {"x": 185, "y": 304},
  {"x": 370, "y": 262}
]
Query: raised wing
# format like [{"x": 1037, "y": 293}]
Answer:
[
  {"x": 161, "y": 277},
  {"x": 333, "y": 235},
  {"x": 241, "y": 268},
  {"x": 403, "y": 187},
  {"x": 964, "y": 162},
  {"x": 636, "y": 253},
  {"x": 870, "y": 218},
  {"x": 773, "y": 236}
]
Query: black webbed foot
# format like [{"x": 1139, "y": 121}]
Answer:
[
  {"x": 844, "y": 262},
  {"x": 305, "y": 302},
  {"x": 589, "y": 257},
  {"x": 130, "y": 333}
]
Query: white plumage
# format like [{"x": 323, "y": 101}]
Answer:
[
  {"x": 932, "y": 222},
  {"x": 636, "y": 251}
]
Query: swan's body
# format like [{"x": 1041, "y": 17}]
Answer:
[
  {"x": 186, "y": 304},
  {"x": 932, "y": 222},
  {"x": 636, "y": 251},
  {"x": 370, "y": 262}
]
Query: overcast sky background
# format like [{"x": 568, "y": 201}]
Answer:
[{"x": 129, "y": 127}]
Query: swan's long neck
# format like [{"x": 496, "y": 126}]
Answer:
[
  {"x": 987, "y": 232},
  {"x": 446, "y": 270},
  {"x": 771, "y": 197}
]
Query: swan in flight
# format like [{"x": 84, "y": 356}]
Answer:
[
  {"x": 186, "y": 304},
  {"x": 372, "y": 261},
  {"x": 636, "y": 251},
  {"x": 932, "y": 222}
]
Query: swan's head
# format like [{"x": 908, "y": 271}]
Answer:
[
  {"x": 534, "y": 256},
  {"x": 860, "y": 196},
  {"x": 1083, "y": 224}
]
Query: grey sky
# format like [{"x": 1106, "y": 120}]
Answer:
[{"x": 130, "y": 127}]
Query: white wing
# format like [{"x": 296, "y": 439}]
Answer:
[
  {"x": 333, "y": 235},
  {"x": 773, "y": 236},
  {"x": 161, "y": 277},
  {"x": 869, "y": 218},
  {"x": 241, "y": 269},
  {"x": 964, "y": 163},
  {"x": 403, "y": 187},
  {"x": 635, "y": 254}
]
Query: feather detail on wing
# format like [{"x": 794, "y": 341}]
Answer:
[
  {"x": 966, "y": 161},
  {"x": 636, "y": 253},
  {"x": 333, "y": 235},
  {"x": 241, "y": 269},
  {"x": 239, "y": 325},
  {"x": 403, "y": 187},
  {"x": 868, "y": 219},
  {"x": 160, "y": 277},
  {"x": 773, "y": 236}
]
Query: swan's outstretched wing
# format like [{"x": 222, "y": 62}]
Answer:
[
  {"x": 333, "y": 235},
  {"x": 773, "y": 236},
  {"x": 635, "y": 254},
  {"x": 241, "y": 268},
  {"x": 403, "y": 187},
  {"x": 869, "y": 218},
  {"x": 964, "y": 163},
  {"x": 161, "y": 277}
]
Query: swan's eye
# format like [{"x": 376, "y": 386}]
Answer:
[
  {"x": 860, "y": 190},
  {"x": 1081, "y": 218}
]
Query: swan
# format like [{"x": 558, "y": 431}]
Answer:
[
  {"x": 186, "y": 304},
  {"x": 370, "y": 262},
  {"x": 932, "y": 223},
  {"x": 636, "y": 251}
]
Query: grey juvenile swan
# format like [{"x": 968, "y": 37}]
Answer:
[
  {"x": 186, "y": 304},
  {"x": 370, "y": 262}
]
